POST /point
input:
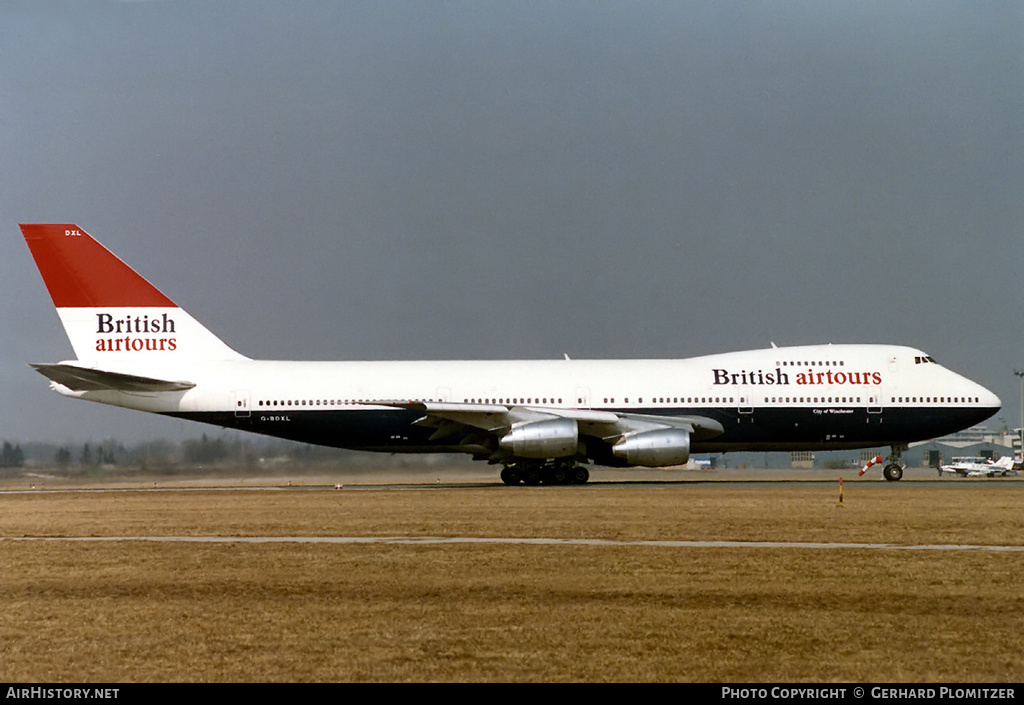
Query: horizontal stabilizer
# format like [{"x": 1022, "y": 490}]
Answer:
[{"x": 86, "y": 379}]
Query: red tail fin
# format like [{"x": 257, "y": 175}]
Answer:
[
  {"x": 81, "y": 273},
  {"x": 111, "y": 314}
]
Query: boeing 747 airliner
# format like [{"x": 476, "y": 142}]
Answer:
[{"x": 541, "y": 420}]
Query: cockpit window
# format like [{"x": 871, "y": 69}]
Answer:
[{"x": 923, "y": 359}]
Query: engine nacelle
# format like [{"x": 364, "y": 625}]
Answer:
[
  {"x": 551, "y": 438},
  {"x": 654, "y": 449}
]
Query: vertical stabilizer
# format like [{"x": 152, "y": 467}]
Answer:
[{"x": 111, "y": 314}]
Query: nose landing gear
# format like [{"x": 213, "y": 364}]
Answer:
[
  {"x": 893, "y": 471},
  {"x": 894, "y": 465}
]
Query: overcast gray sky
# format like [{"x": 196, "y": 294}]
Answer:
[{"x": 427, "y": 179}]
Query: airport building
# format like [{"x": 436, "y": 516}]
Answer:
[{"x": 978, "y": 442}]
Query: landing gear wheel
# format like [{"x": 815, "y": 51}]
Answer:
[
  {"x": 580, "y": 475},
  {"x": 510, "y": 475},
  {"x": 532, "y": 476},
  {"x": 894, "y": 463},
  {"x": 892, "y": 472}
]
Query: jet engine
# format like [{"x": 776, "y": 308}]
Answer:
[
  {"x": 551, "y": 438},
  {"x": 654, "y": 449}
]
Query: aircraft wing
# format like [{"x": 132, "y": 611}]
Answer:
[
  {"x": 699, "y": 427},
  {"x": 88, "y": 379},
  {"x": 450, "y": 418}
]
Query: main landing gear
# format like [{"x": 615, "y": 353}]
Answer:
[{"x": 553, "y": 473}]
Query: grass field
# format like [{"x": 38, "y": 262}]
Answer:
[{"x": 127, "y": 611}]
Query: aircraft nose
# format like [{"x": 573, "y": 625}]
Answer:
[{"x": 987, "y": 398}]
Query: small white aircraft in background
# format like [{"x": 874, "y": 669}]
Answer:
[{"x": 979, "y": 467}]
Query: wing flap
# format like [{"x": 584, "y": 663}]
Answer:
[{"x": 699, "y": 427}]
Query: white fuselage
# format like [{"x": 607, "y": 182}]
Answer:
[{"x": 801, "y": 397}]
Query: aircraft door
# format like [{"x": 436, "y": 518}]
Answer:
[
  {"x": 242, "y": 405},
  {"x": 746, "y": 411},
  {"x": 875, "y": 404}
]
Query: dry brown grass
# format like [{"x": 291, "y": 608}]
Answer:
[{"x": 130, "y": 611}]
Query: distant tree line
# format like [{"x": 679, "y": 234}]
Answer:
[
  {"x": 204, "y": 451},
  {"x": 12, "y": 456},
  {"x": 229, "y": 451},
  {"x": 217, "y": 453}
]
